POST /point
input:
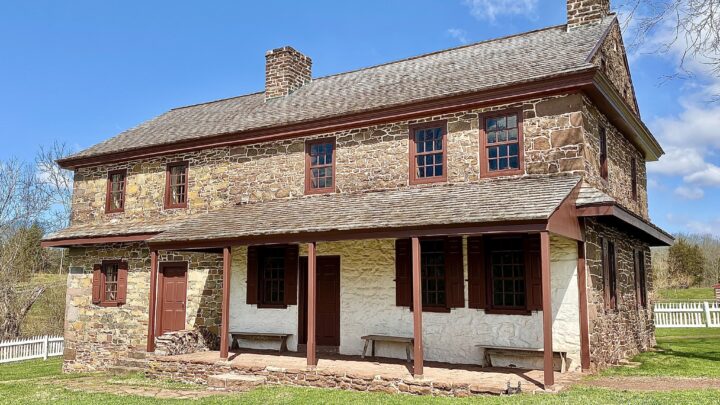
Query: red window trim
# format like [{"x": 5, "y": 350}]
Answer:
[
  {"x": 608, "y": 254},
  {"x": 412, "y": 166},
  {"x": 603, "y": 146},
  {"x": 168, "y": 204},
  {"x": 108, "y": 191},
  {"x": 499, "y": 310},
  {"x": 484, "y": 171},
  {"x": 103, "y": 301},
  {"x": 634, "y": 178},
  {"x": 308, "y": 167}
]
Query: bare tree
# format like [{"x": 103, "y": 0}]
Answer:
[{"x": 56, "y": 184}]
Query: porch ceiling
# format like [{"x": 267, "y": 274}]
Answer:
[{"x": 493, "y": 201}]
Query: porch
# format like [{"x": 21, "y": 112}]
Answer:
[{"x": 351, "y": 372}]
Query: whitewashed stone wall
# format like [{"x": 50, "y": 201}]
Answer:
[{"x": 367, "y": 295}]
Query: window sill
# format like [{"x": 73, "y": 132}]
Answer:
[
  {"x": 502, "y": 173},
  {"x": 434, "y": 309},
  {"x": 313, "y": 191},
  {"x": 175, "y": 207},
  {"x": 272, "y": 306},
  {"x": 428, "y": 180},
  {"x": 499, "y": 311},
  {"x": 109, "y": 304}
]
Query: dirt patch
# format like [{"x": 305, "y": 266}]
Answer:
[{"x": 653, "y": 383}]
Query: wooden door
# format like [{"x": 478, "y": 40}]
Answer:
[
  {"x": 172, "y": 297},
  {"x": 327, "y": 331}
]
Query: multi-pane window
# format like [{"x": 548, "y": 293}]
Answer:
[
  {"x": 320, "y": 166},
  {"x": 110, "y": 282},
  {"x": 603, "y": 153},
  {"x": 507, "y": 272},
  {"x": 432, "y": 268},
  {"x": 177, "y": 186},
  {"x": 272, "y": 276},
  {"x": 502, "y": 144},
  {"x": 428, "y": 154},
  {"x": 115, "y": 191}
]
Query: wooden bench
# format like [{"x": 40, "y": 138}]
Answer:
[
  {"x": 282, "y": 337},
  {"x": 371, "y": 339},
  {"x": 519, "y": 351}
]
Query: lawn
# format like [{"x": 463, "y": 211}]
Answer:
[
  {"x": 685, "y": 353},
  {"x": 684, "y": 294}
]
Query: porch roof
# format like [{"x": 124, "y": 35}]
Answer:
[{"x": 512, "y": 200}]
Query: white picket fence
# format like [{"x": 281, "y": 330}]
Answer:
[
  {"x": 687, "y": 315},
  {"x": 40, "y": 347}
]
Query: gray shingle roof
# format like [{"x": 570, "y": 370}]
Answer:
[
  {"x": 487, "y": 201},
  {"x": 588, "y": 195},
  {"x": 521, "y": 58},
  {"x": 123, "y": 228}
]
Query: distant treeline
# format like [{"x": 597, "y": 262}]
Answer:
[{"x": 693, "y": 261}]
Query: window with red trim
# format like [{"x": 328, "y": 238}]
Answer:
[
  {"x": 428, "y": 152},
  {"x": 603, "y": 153},
  {"x": 176, "y": 187},
  {"x": 320, "y": 166},
  {"x": 115, "y": 197},
  {"x": 501, "y": 144},
  {"x": 633, "y": 178},
  {"x": 109, "y": 284}
]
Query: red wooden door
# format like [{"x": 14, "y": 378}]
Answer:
[
  {"x": 327, "y": 332},
  {"x": 173, "y": 294}
]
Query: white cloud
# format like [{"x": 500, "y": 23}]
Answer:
[
  {"x": 460, "y": 35},
  {"x": 690, "y": 193},
  {"x": 678, "y": 161},
  {"x": 710, "y": 176},
  {"x": 491, "y": 9}
]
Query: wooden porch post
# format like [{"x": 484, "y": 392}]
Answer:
[
  {"x": 311, "y": 301},
  {"x": 417, "y": 310},
  {"x": 548, "y": 372},
  {"x": 225, "y": 320},
  {"x": 582, "y": 298},
  {"x": 153, "y": 298}
]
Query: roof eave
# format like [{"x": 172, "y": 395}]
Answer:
[{"x": 657, "y": 236}]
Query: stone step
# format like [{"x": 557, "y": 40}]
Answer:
[
  {"x": 136, "y": 363},
  {"x": 122, "y": 370},
  {"x": 235, "y": 382},
  {"x": 137, "y": 355}
]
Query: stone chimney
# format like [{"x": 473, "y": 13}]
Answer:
[
  {"x": 584, "y": 12},
  {"x": 286, "y": 70}
]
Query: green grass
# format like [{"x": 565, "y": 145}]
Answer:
[
  {"x": 687, "y": 353},
  {"x": 681, "y": 294},
  {"x": 682, "y": 352}
]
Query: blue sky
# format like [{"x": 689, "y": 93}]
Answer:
[{"x": 82, "y": 71}]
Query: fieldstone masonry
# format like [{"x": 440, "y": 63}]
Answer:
[
  {"x": 580, "y": 12},
  {"x": 286, "y": 70}
]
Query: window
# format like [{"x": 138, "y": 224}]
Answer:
[
  {"x": 272, "y": 277},
  {"x": 115, "y": 197},
  {"x": 110, "y": 283},
  {"x": 176, "y": 186},
  {"x": 320, "y": 166},
  {"x": 603, "y": 153},
  {"x": 501, "y": 144},
  {"x": 428, "y": 153},
  {"x": 507, "y": 275},
  {"x": 609, "y": 265},
  {"x": 432, "y": 269},
  {"x": 640, "y": 279},
  {"x": 633, "y": 178}
]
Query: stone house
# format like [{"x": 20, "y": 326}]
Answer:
[{"x": 499, "y": 186}]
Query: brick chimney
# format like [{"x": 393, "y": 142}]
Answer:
[
  {"x": 584, "y": 12},
  {"x": 286, "y": 70}
]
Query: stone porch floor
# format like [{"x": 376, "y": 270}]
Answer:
[{"x": 352, "y": 372}]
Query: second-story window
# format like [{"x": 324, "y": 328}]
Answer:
[
  {"x": 115, "y": 197},
  {"x": 633, "y": 178},
  {"x": 501, "y": 144},
  {"x": 603, "y": 153},
  {"x": 428, "y": 152},
  {"x": 176, "y": 186},
  {"x": 320, "y": 166}
]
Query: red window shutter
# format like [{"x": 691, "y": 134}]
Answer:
[
  {"x": 252, "y": 275},
  {"x": 96, "y": 283},
  {"x": 291, "y": 272},
  {"x": 477, "y": 292},
  {"x": 403, "y": 273},
  {"x": 122, "y": 283},
  {"x": 534, "y": 273},
  {"x": 454, "y": 272}
]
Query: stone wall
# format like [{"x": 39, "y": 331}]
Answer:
[
  {"x": 620, "y": 153},
  {"x": 96, "y": 336},
  {"x": 369, "y": 158},
  {"x": 367, "y": 306},
  {"x": 612, "y": 60},
  {"x": 620, "y": 333}
]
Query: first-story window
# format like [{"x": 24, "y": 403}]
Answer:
[
  {"x": 432, "y": 269},
  {"x": 272, "y": 276},
  {"x": 501, "y": 144},
  {"x": 176, "y": 187},
  {"x": 428, "y": 153},
  {"x": 115, "y": 196},
  {"x": 640, "y": 279},
  {"x": 506, "y": 258},
  {"x": 110, "y": 283},
  {"x": 609, "y": 267}
]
